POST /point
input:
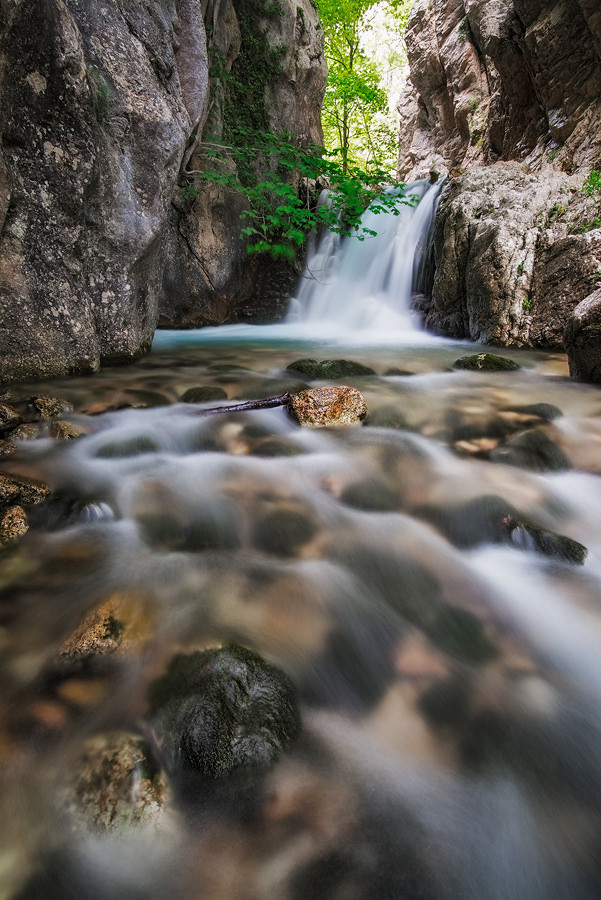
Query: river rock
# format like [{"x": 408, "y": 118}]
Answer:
[
  {"x": 533, "y": 450},
  {"x": 204, "y": 394},
  {"x": 115, "y": 785},
  {"x": 49, "y": 407},
  {"x": 223, "y": 712},
  {"x": 10, "y": 418},
  {"x": 13, "y": 523},
  {"x": 582, "y": 339},
  {"x": 329, "y": 368},
  {"x": 66, "y": 431},
  {"x": 283, "y": 531},
  {"x": 335, "y": 406},
  {"x": 27, "y": 491},
  {"x": 485, "y": 362}
]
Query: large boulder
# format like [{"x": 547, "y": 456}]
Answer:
[
  {"x": 512, "y": 257},
  {"x": 582, "y": 338},
  {"x": 98, "y": 99}
]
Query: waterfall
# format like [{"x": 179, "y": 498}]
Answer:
[{"x": 368, "y": 284}]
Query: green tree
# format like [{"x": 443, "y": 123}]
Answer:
[{"x": 356, "y": 115}]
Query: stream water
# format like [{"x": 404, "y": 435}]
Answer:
[{"x": 445, "y": 646}]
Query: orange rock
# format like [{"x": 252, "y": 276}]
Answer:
[{"x": 320, "y": 407}]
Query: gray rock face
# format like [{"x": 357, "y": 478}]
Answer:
[
  {"x": 97, "y": 101},
  {"x": 499, "y": 80},
  {"x": 582, "y": 338},
  {"x": 209, "y": 279},
  {"x": 512, "y": 262}
]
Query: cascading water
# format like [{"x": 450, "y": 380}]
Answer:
[
  {"x": 367, "y": 285},
  {"x": 421, "y": 580}
]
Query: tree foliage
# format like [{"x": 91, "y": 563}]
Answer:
[
  {"x": 356, "y": 114},
  {"x": 281, "y": 209}
]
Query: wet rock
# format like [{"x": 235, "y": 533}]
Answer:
[
  {"x": 529, "y": 537},
  {"x": 328, "y": 406},
  {"x": 66, "y": 431},
  {"x": 545, "y": 411},
  {"x": 388, "y": 416},
  {"x": 204, "y": 394},
  {"x": 371, "y": 496},
  {"x": 26, "y": 491},
  {"x": 329, "y": 368},
  {"x": 478, "y": 521},
  {"x": 9, "y": 418},
  {"x": 13, "y": 523},
  {"x": 283, "y": 531},
  {"x": 49, "y": 407},
  {"x": 486, "y": 362},
  {"x": 166, "y": 522},
  {"x": 100, "y": 633},
  {"x": 462, "y": 634},
  {"x": 6, "y": 448},
  {"x": 223, "y": 712},
  {"x": 582, "y": 340},
  {"x": 532, "y": 450},
  {"x": 116, "y": 784},
  {"x": 28, "y": 431},
  {"x": 135, "y": 446}
]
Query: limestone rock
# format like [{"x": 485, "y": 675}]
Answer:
[
  {"x": 97, "y": 103},
  {"x": 582, "y": 338},
  {"x": 498, "y": 80},
  {"x": 511, "y": 263},
  {"x": 209, "y": 278},
  {"x": 328, "y": 406}
]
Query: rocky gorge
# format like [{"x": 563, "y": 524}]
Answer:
[{"x": 503, "y": 98}]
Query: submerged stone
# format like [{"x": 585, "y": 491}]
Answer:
[
  {"x": 371, "y": 496},
  {"x": 486, "y": 362},
  {"x": 461, "y": 634},
  {"x": 204, "y": 394},
  {"x": 328, "y": 406},
  {"x": 329, "y": 368},
  {"x": 387, "y": 416},
  {"x": 135, "y": 446},
  {"x": 223, "y": 711},
  {"x": 532, "y": 450},
  {"x": 283, "y": 531}
]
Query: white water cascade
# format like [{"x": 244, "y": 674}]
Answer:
[{"x": 351, "y": 284}]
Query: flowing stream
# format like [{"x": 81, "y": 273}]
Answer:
[{"x": 419, "y": 577}]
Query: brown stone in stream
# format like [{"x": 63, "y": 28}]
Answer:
[
  {"x": 13, "y": 523},
  {"x": 328, "y": 406},
  {"x": 49, "y": 407}
]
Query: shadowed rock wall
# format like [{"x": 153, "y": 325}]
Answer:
[{"x": 97, "y": 99}]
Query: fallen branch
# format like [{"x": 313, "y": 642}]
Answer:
[{"x": 268, "y": 403}]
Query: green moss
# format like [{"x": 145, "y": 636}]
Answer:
[{"x": 100, "y": 92}]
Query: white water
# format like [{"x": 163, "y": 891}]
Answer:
[{"x": 366, "y": 285}]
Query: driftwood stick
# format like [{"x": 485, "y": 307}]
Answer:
[{"x": 268, "y": 403}]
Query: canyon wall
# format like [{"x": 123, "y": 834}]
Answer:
[
  {"x": 103, "y": 105},
  {"x": 504, "y": 99}
]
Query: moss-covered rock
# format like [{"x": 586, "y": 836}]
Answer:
[
  {"x": 329, "y": 368},
  {"x": 486, "y": 362},
  {"x": 532, "y": 450}
]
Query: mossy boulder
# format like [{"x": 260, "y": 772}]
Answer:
[
  {"x": 329, "y": 368},
  {"x": 486, "y": 362},
  {"x": 223, "y": 711}
]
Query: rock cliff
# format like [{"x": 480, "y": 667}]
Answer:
[
  {"x": 97, "y": 99},
  {"x": 103, "y": 105},
  {"x": 268, "y": 73},
  {"x": 504, "y": 97}
]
